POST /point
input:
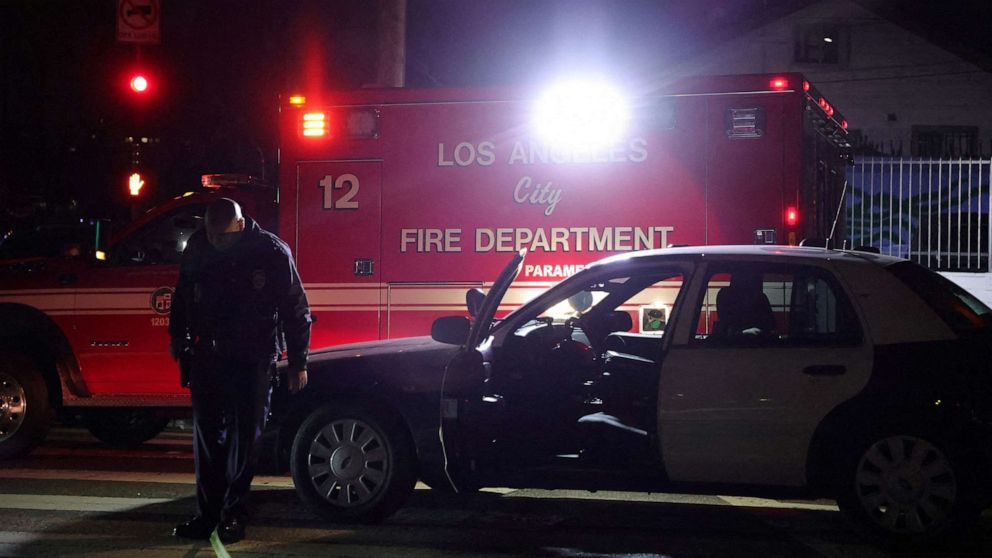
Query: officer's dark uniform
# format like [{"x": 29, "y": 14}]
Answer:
[{"x": 232, "y": 304}]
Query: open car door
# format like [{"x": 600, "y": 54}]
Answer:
[{"x": 464, "y": 378}]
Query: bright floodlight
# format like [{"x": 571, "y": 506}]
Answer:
[{"x": 581, "y": 114}]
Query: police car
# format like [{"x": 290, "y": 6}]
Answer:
[{"x": 775, "y": 371}]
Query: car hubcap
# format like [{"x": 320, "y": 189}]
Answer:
[
  {"x": 348, "y": 462},
  {"x": 906, "y": 484},
  {"x": 13, "y": 405}
]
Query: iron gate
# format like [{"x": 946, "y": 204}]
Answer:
[{"x": 934, "y": 212}]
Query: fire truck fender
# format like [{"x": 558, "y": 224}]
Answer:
[{"x": 28, "y": 331}]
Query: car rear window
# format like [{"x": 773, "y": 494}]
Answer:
[{"x": 960, "y": 309}]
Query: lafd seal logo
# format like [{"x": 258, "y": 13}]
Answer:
[
  {"x": 162, "y": 300},
  {"x": 258, "y": 279}
]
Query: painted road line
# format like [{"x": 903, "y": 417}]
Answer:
[
  {"x": 130, "y": 476},
  {"x": 260, "y": 481},
  {"x": 25, "y": 537},
  {"x": 749, "y": 502},
  {"x": 55, "y": 451},
  {"x": 662, "y": 498},
  {"x": 76, "y": 503}
]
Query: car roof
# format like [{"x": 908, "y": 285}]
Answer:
[{"x": 758, "y": 251}]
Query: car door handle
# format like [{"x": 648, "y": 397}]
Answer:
[{"x": 825, "y": 370}]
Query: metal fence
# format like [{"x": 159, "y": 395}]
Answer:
[{"x": 934, "y": 212}]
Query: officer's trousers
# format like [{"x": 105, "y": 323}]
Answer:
[{"x": 230, "y": 404}]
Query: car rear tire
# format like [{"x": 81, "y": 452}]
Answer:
[
  {"x": 353, "y": 465},
  {"x": 25, "y": 410},
  {"x": 125, "y": 428},
  {"x": 908, "y": 488}
]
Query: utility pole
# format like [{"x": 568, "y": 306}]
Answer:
[{"x": 391, "y": 70}]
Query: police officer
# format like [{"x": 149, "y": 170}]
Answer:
[{"x": 237, "y": 285}]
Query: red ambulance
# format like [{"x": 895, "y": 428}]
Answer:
[{"x": 395, "y": 202}]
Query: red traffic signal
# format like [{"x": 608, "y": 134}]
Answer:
[
  {"x": 135, "y": 182},
  {"x": 139, "y": 83}
]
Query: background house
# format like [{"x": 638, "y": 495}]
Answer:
[{"x": 902, "y": 93}]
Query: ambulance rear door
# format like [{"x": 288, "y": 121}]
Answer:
[{"x": 338, "y": 247}]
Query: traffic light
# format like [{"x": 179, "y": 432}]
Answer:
[
  {"x": 139, "y": 84},
  {"x": 135, "y": 182}
]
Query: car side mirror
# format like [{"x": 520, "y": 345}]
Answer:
[
  {"x": 452, "y": 330},
  {"x": 473, "y": 300}
]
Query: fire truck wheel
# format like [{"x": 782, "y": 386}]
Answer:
[
  {"x": 125, "y": 428},
  {"x": 25, "y": 411},
  {"x": 907, "y": 488},
  {"x": 353, "y": 465}
]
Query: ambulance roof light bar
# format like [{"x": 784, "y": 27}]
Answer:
[{"x": 581, "y": 113}]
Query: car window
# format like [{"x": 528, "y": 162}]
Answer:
[
  {"x": 163, "y": 240},
  {"x": 47, "y": 241},
  {"x": 647, "y": 298},
  {"x": 769, "y": 305},
  {"x": 638, "y": 303},
  {"x": 956, "y": 306}
]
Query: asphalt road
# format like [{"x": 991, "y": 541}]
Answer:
[{"x": 76, "y": 497}]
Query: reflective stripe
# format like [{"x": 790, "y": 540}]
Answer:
[{"x": 324, "y": 297}]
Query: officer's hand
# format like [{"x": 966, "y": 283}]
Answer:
[{"x": 296, "y": 381}]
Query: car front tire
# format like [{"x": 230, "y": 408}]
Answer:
[
  {"x": 353, "y": 465},
  {"x": 25, "y": 411},
  {"x": 908, "y": 488}
]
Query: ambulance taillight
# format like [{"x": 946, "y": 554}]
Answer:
[
  {"x": 791, "y": 216},
  {"x": 314, "y": 124}
]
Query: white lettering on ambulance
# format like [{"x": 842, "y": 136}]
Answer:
[
  {"x": 638, "y": 150},
  {"x": 527, "y": 191},
  {"x": 431, "y": 240},
  {"x": 562, "y": 239},
  {"x": 634, "y": 150},
  {"x": 441, "y": 161},
  {"x": 552, "y": 270},
  {"x": 466, "y": 154}
]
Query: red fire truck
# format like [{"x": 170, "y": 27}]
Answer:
[{"x": 397, "y": 201}]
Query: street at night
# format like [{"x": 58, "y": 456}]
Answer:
[
  {"x": 76, "y": 497},
  {"x": 443, "y": 278}
]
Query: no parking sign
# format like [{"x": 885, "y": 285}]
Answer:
[{"x": 138, "y": 21}]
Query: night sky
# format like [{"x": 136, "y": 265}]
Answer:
[{"x": 64, "y": 109}]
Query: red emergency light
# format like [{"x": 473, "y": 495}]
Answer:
[
  {"x": 791, "y": 216},
  {"x": 314, "y": 124},
  {"x": 779, "y": 83}
]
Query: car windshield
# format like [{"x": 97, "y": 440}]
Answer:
[
  {"x": 47, "y": 241},
  {"x": 960, "y": 309},
  {"x": 646, "y": 295}
]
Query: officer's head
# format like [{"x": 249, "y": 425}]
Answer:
[{"x": 224, "y": 223}]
